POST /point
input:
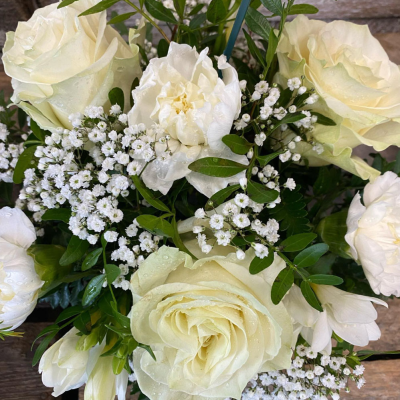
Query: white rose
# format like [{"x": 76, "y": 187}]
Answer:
[
  {"x": 359, "y": 87},
  {"x": 373, "y": 233},
  {"x": 212, "y": 325},
  {"x": 184, "y": 96},
  {"x": 351, "y": 316},
  {"x": 65, "y": 367},
  {"x": 60, "y": 63},
  {"x": 19, "y": 283}
]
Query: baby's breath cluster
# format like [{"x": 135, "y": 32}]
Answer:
[
  {"x": 238, "y": 218},
  {"x": 274, "y": 110},
  {"x": 312, "y": 375},
  {"x": 9, "y": 153}
]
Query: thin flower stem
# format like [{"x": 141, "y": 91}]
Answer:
[{"x": 140, "y": 11}]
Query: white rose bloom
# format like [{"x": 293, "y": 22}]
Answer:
[
  {"x": 60, "y": 63},
  {"x": 212, "y": 325},
  {"x": 359, "y": 88},
  {"x": 19, "y": 283},
  {"x": 351, "y": 316},
  {"x": 184, "y": 96},
  {"x": 374, "y": 233},
  {"x": 64, "y": 368}
]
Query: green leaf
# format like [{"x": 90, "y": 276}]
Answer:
[
  {"x": 264, "y": 160},
  {"x": 83, "y": 323},
  {"x": 42, "y": 347},
  {"x": 275, "y": 6},
  {"x": 180, "y": 7},
  {"x": 282, "y": 284},
  {"x": 91, "y": 259},
  {"x": 148, "y": 349},
  {"x": 75, "y": 250},
  {"x": 47, "y": 263},
  {"x": 93, "y": 289},
  {"x": 364, "y": 354},
  {"x": 120, "y": 18},
  {"x": 272, "y": 46},
  {"x": 332, "y": 230},
  {"x": 162, "y": 48},
  {"x": 197, "y": 21},
  {"x": 45, "y": 331},
  {"x": 396, "y": 167},
  {"x": 311, "y": 255},
  {"x": 57, "y": 214},
  {"x": 156, "y": 225},
  {"x": 103, "y": 5},
  {"x": 298, "y": 242},
  {"x": 158, "y": 11},
  {"x": 112, "y": 272},
  {"x": 217, "y": 11},
  {"x": 69, "y": 313},
  {"x": 148, "y": 195},
  {"x": 65, "y": 3},
  {"x": 37, "y": 131},
  {"x": 219, "y": 197},
  {"x": 26, "y": 160},
  {"x": 321, "y": 279},
  {"x": 323, "y": 120},
  {"x": 310, "y": 296},
  {"x": 260, "y": 194},
  {"x": 219, "y": 167},
  {"x": 258, "y": 23},
  {"x": 303, "y": 9},
  {"x": 254, "y": 50},
  {"x": 259, "y": 264},
  {"x": 237, "y": 144},
  {"x": 118, "y": 365},
  {"x": 116, "y": 96}
]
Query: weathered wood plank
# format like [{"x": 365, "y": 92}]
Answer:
[{"x": 18, "y": 379}]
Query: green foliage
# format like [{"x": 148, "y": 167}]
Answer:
[
  {"x": 258, "y": 23},
  {"x": 264, "y": 160},
  {"x": 120, "y": 18},
  {"x": 322, "y": 120},
  {"x": 259, "y": 264},
  {"x": 65, "y": 3},
  {"x": 237, "y": 144},
  {"x": 93, "y": 289},
  {"x": 282, "y": 284},
  {"x": 321, "y": 279},
  {"x": 219, "y": 197},
  {"x": 57, "y": 214},
  {"x": 112, "y": 272},
  {"x": 218, "y": 167},
  {"x": 116, "y": 96},
  {"x": 291, "y": 212},
  {"x": 217, "y": 11},
  {"x": 311, "y": 255},
  {"x": 156, "y": 225},
  {"x": 91, "y": 259},
  {"x": 303, "y": 9},
  {"x": 26, "y": 160},
  {"x": 254, "y": 50},
  {"x": 275, "y": 6},
  {"x": 157, "y": 10},
  {"x": 310, "y": 296},
  {"x": 75, "y": 251},
  {"x": 261, "y": 194},
  {"x": 297, "y": 242},
  {"x": 149, "y": 195},
  {"x": 101, "y": 6}
]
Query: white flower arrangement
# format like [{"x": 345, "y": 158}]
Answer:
[{"x": 167, "y": 189}]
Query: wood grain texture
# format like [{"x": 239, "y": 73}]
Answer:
[{"x": 18, "y": 379}]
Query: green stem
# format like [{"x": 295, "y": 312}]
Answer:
[{"x": 140, "y": 11}]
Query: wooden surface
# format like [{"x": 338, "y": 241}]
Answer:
[{"x": 19, "y": 381}]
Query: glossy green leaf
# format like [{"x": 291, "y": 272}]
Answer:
[
  {"x": 148, "y": 195},
  {"x": 217, "y": 11},
  {"x": 264, "y": 160},
  {"x": 26, "y": 160},
  {"x": 120, "y": 18},
  {"x": 57, "y": 214},
  {"x": 197, "y": 21},
  {"x": 42, "y": 347},
  {"x": 180, "y": 7},
  {"x": 93, "y": 289},
  {"x": 37, "y": 131},
  {"x": 65, "y": 3},
  {"x": 311, "y": 255},
  {"x": 237, "y": 144},
  {"x": 159, "y": 11},
  {"x": 112, "y": 272},
  {"x": 91, "y": 259},
  {"x": 219, "y": 197},
  {"x": 99, "y": 7},
  {"x": 148, "y": 349},
  {"x": 303, "y": 9},
  {"x": 75, "y": 251},
  {"x": 275, "y": 6},
  {"x": 218, "y": 167},
  {"x": 323, "y": 120},
  {"x": 258, "y": 23},
  {"x": 69, "y": 313},
  {"x": 282, "y": 284},
  {"x": 254, "y": 50},
  {"x": 156, "y": 225},
  {"x": 162, "y": 48},
  {"x": 116, "y": 96},
  {"x": 310, "y": 296},
  {"x": 297, "y": 242},
  {"x": 261, "y": 194},
  {"x": 83, "y": 323},
  {"x": 259, "y": 264},
  {"x": 320, "y": 279}
]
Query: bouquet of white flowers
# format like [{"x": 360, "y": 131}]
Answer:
[{"x": 188, "y": 194}]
